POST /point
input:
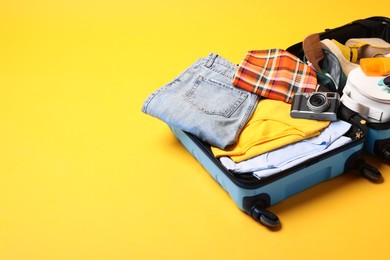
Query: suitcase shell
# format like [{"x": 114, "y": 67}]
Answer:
[
  {"x": 372, "y": 27},
  {"x": 378, "y": 134},
  {"x": 254, "y": 196},
  {"x": 378, "y": 140}
]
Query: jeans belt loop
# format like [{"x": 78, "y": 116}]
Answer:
[{"x": 211, "y": 60}]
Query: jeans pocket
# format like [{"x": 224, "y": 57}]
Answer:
[{"x": 214, "y": 97}]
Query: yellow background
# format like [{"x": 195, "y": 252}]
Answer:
[{"x": 84, "y": 174}]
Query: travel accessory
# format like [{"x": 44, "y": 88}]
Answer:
[
  {"x": 349, "y": 55},
  {"x": 314, "y": 53},
  {"x": 275, "y": 74},
  {"x": 330, "y": 75},
  {"x": 366, "y": 95},
  {"x": 344, "y": 55},
  {"x": 328, "y": 56},
  {"x": 368, "y": 47},
  {"x": 375, "y": 66},
  {"x": 317, "y": 106}
]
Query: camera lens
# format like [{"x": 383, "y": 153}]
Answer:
[{"x": 318, "y": 102}]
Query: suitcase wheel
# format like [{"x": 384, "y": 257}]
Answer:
[
  {"x": 369, "y": 172},
  {"x": 364, "y": 169},
  {"x": 386, "y": 155},
  {"x": 265, "y": 217}
]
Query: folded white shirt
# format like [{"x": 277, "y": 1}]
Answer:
[{"x": 288, "y": 156}]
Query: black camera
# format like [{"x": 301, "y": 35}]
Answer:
[{"x": 316, "y": 105}]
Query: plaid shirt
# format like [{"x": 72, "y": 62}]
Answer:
[{"x": 275, "y": 74}]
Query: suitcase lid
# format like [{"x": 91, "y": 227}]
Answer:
[{"x": 369, "y": 86}]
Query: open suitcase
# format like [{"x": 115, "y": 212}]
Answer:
[
  {"x": 254, "y": 195},
  {"x": 378, "y": 137}
]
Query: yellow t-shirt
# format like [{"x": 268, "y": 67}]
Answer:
[{"x": 269, "y": 128}]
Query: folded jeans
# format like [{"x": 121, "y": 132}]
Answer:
[{"x": 202, "y": 101}]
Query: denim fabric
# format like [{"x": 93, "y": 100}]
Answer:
[{"x": 203, "y": 101}]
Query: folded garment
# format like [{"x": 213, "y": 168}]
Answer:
[
  {"x": 203, "y": 101},
  {"x": 283, "y": 158},
  {"x": 275, "y": 74},
  {"x": 269, "y": 128},
  {"x": 336, "y": 144}
]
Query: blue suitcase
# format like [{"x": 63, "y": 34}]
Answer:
[
  {"x": 254, "y": 196},
  {"x": 378, "y": 136}
]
